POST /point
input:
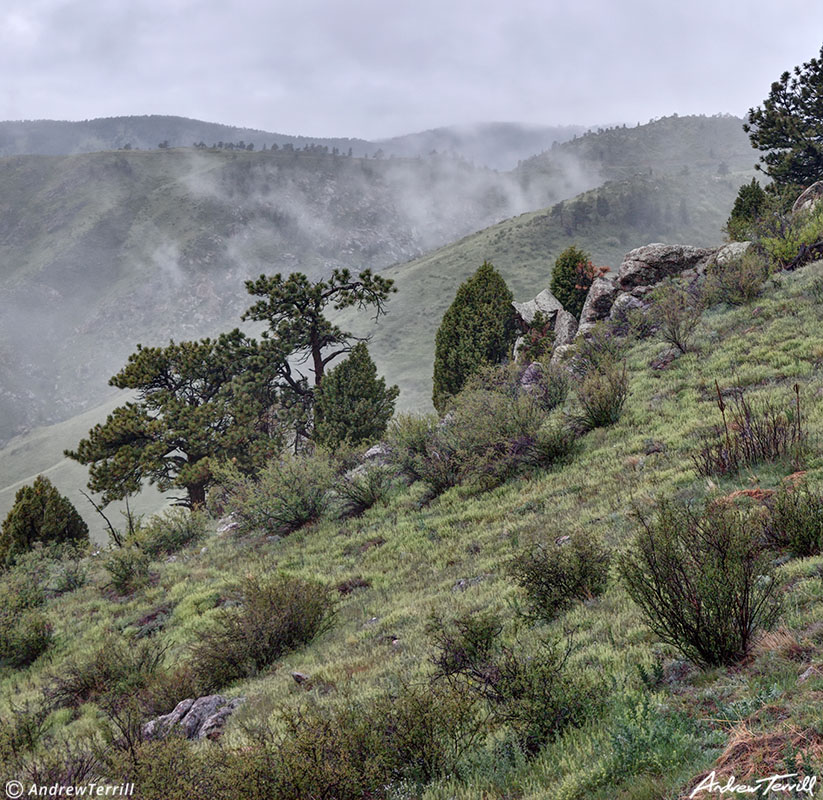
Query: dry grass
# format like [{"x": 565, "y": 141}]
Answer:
[{"x": 750, "y": 755}]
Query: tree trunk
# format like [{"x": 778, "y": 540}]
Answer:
[{"x": 197, "y": 495}]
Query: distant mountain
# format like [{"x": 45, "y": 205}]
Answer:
[
  {"x": 499, "y": 145},
  {"x": 713, "y": 145},
  {"x": 53, "y": 137}
]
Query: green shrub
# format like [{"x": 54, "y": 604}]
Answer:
[
  {"x": 477, "y": 329},
  {"x": 169, "y": 531},
  {"x": 24, "y": 636},
  {"x": 737, "y": 281},
  {"x": 554, "y": 575},
  {"x": 351, "y": 404},
  {"x": 362, "y": 488},
  {"x": 601, "y": 394},
  {"x": 40, "y": 514},
  {"x": 391, "y": 747},
  {"x": 572, "y": 276},
  {"x": 407, "y": 437},
  {"x": 702, "y": 578},
  {"x": 271, "y": 617},
  {"x": 289, "y": 492},
  {"x": 128, "y": 569},
  {"x": 488, "y": 438},
  {"x": 783, "y": 236},
  {"x": 797, "y": 520},
  {"x": 676, "y": 313},
  {"x": 117, "y": 669},
  {"x": 545, "y": 383},
  {"x": 526, "y": 689}
]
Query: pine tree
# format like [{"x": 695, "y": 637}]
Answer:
[
  {"x": 352, "y": 404},
  {"x": 748, "y": 205},
  {"x": 571, "y": 279},
  {"x": 788, "y": 128},
  {"x": 197, "y": 401},
  {"x": 40, "y": 514},
  {"x": 477, "y": 329}
]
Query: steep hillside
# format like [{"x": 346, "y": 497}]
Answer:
[
  {"x": 713, "y": 145},
  {"x": 651, "y": 723},
  {"x": 607, "y": 222}
]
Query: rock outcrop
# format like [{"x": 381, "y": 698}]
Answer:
[
  {"x": 809, "y": 198},
  {"x": 561, "y": 322},
  {"x": 599, "y": 301},
  {"x": 652, "y": 263},
  {"x": 202, "y": 718}
]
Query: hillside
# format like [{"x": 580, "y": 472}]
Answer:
[
  {"x": 713, "y": 145},
  {"x": 105, "y": 250},
  {"x": 499, "y": 145},
  {"x": 675, "y": 208},
  {"x": 651, "y": 724},
  {"x": 58, "y": 137}
]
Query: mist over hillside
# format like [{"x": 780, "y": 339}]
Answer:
[
  {"x": 499, "y": 145},
  {"x": 102, "y": 251}
]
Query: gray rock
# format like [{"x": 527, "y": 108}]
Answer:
[
  {"x": 565, "y": 328},
  {"x": 545, "y": 302},
  {"x": 531, "y": 376},
  {"x": 650, "y": 264},
  {"x": 809, "y": 198},
  {"x": 518, "y": 346},
  {"x": 377, "y": 452},
  {"x": 729, "y": 253},
  {"x": 598, "y": 303},
  {"x": 202, "y": 718},
  {"x": 561, "y": 352},
  {"x": 809, "y": 673},
  {"x": 623, "y": 303}
]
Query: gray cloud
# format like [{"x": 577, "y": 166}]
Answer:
[{"x": 371, "y": 68}]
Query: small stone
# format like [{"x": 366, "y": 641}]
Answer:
[
  {"x": 809, "y": 673},
  {"x": 299, "y": 677}
]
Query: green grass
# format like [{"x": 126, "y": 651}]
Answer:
[{"x": 449, "y": 556}]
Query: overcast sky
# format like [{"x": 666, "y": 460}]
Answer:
[{"x": 373, "y": 68}]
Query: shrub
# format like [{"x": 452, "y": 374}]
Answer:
[
  {"x": 572, "y": 276},
  {"x": 478, "y": 328},
  {"x": 488, "y": 438},
  {"x": 702, "y": 579},
  {"x": 289, "y": 492},
  {"x": 407, "y": 438},
  {"x": 737, "y": 281},
  {"x": 40, "y": 514},
  {"x": 753, "y": 434},
  {"x": 362, "y": 488},
  {"x": 351, "y": 404},
  {"x": 545, "y": 383},
  {"x": 400, "y": 741},
  {"x": 785, "y": 236},
  {"x": 538, "y": 341},
  {"x": 273, "y": 616},
  {"x": 554, "y": 575},
  {"x": 128, "y": 569},
  {"x": 117, "y": 669},
  {"x": 170, "y": 531},
  {"x": 676, "y": 313},
  {"x": 526, "y": 689},
  {"x": 601, "y": 394},
  {"x": 24, "y": 636},
  {"x": 797, "y": 520}
]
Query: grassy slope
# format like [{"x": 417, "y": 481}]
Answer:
[{"x": 637, "y": 750}]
